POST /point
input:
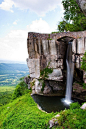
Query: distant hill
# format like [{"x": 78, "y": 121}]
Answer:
[
  {"x": 11, "y": 73},
  {"x": 13, "y": 67},
  {"x": 12, "y": 62}
]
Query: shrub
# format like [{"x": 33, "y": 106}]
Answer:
[
  {"x": 21, "y": 89},
  {"x": 44, "y": 75},
  {"x": 17, "y": 92},
  {"x": 43, "y": 85},
  {"x": 84, "y": 85},
  {"x": 83, "y": 63},
  {"x": 74, "y": 105},
  {"x": 73, "y": 118}
]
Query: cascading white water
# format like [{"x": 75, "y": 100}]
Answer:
[{"x": 70, "y": 69}]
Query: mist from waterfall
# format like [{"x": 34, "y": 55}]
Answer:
[{"x": 70, "y": 69}]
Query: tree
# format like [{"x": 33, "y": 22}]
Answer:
[
  {"x": 82, "y": 5},
  {"x": 21, "y": 89},
  {"x": 74, "y": 19}
]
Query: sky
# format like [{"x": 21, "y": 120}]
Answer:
[{"x": 18, "y": 17}]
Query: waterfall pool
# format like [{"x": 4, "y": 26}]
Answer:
[{"x": 50, "y": 103}]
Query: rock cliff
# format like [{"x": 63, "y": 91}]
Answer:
[{"x": 48, "y": 51}]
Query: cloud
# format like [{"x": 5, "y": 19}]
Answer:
[
  {"x": 40, "y": 7},
  {"x": 15, "y": 22},
  {"x": 7, "y": 5},
  {"x": 40, "y": 26},
  {"x": 14, "y": 45}
]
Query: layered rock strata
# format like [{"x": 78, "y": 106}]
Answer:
[{"x": 49, "y": 50}]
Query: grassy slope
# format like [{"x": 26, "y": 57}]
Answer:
[
  {"x": 23, "y": 113},
  {"x": 6, "y": 94}
]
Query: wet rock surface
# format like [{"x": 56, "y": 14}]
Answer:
[{"x": 79, "y": 92}]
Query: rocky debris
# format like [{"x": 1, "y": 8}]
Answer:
[
  {"x": 79, "y": 92},
  {"x": 54, "y": 121},
  {"x": 83, "y": 106},
  {"x": 50, "y": 87},
  {"x": 47, "y": 90},
  {"x": 27, "y": 80},
  {"x": 56, "y": 86},
  {"x": 78, "y": 88}
]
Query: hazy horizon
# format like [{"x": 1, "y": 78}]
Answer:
[{"x": 12, "y": 61}]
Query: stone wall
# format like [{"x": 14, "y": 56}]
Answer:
[{"x": 50, "y": 50}]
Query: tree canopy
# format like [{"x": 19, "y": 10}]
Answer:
[{"x": 74, "y": 19}]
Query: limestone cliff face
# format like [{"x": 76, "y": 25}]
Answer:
[{"x": 50, "y": 50}]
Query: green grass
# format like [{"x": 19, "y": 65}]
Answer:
[
  {"x": 23, "y": 113},
  {"x": 73, "y": 118},
  {"x": 6, "y": 94}
]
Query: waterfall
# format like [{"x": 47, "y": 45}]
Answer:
[{"x": 70, "y": 69}]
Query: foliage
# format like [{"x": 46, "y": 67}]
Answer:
[
  {"x": 43, "y": 85},
  {"x": 18, "y": 92},
  {"x": 55, "y": 32},
  {"x": 32, "y": 83},
  {"x": 73, "y": 118},
  {"x": 83, "y": 63},
  {"x": 84, "y": 85},
  {"x": 74, "y": 19},
  {"x": 74, "y": 105},
  {"x": 44, "y": 75},
  {"x": 6, "y": 94},
  {"x": 23, "y": 113},
  {"x": 83, "y": 67},
  {"x": 21, "y": 89},
  {"x": 49, "y": 37}
]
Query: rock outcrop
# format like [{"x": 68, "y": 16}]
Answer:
[{"x": 49, "y": 51}]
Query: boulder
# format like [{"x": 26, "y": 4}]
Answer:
[
  {"x": 54, "y": 121},
  {"x": 47, "y": 90},
  {"x": 27, "y": 80},
  {"x": 38, "y": 87},
  {"x": 83, "y": 106}
]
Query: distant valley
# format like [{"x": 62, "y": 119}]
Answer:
[{"x": 10, "y": 73}]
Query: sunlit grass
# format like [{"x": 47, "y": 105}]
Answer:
[
  {"x": 23, "y": 113},
  {"x": 6, "y": 94}
]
